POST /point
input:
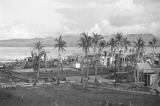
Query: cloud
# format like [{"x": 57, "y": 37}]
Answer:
[
  {"x": 147, "y": 2},
  {"x": 95, "y": 29},
  {"x": 39, "y": 18},
  {"x": 74, "y": 2},
  {"x": 105, "y": 27},
  {"x": 22, "y": 30},
  {"x": 120, "y": 15}
]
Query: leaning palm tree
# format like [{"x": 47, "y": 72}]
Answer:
[
  {"x": 60, "y": 45},
  {"x": 85, "y": 44},
  {"x": 96, "y": 39},
  {"x": 139, "y": 45},
  {"x": 37, "y": 54},
  {"x": 153, "y": 43}
]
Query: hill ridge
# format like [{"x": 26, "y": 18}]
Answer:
[{"x": 70, "y": 39}]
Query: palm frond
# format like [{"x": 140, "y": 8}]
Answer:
[
  {"x": 60, "y": 44},
  {"x": 85, "y": 42},
  {"x": 38, "y": 45}
]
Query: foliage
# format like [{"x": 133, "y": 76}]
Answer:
[
  {"x": 96, "y": 41},
  {"x": 102, "y": 45},
  {"x": 153, "y": 43},
  {"x": 126, "y": 42},
  {"x": 119, "y": 39},
  {"x": 60, "y": 44},
  {"x": 139, "y": 45},
  {"x": 37, "y": 54},
  {"x": 113, "y": 44},
  {"x": 38, "y": 45},
  {"x": 36, "y": 59},
  {"x": 85, "y": 42}
]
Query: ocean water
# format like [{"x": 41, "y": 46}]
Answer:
[{"x": 11, "y": 53}]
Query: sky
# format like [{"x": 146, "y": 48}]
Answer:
[{"x": 50, "y": 18}]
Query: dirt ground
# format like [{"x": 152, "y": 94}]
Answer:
[{"x": 64, "y": 95}]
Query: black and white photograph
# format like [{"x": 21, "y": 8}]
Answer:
[{"x": 79, "y": 53}]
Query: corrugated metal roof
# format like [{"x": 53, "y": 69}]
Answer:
[{"x": 144, "y": 67}]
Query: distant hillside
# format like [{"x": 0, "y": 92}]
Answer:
[
  {"x": 145, "y": 37},
  {"x": 49, "y": 41},
  {"x": 23, "y": 42},
  {"x": 71, "y": 40}
]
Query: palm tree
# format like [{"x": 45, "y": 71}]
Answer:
[
  {"x": 139, "y": 45},
  {"x": 85, "y": 44},
  {"x": 153, "y": 43},
  {"x": 102, "y": 45},
  {"x": 37, "y": 54},
  {"x": 95, "y": 41},
  {"x": 113, "y": 44},
  {"x": 126, "y": 43},
  {"x": 119, "y": 39},
  {"x": 60, "y": 45},
  {"x": 96, "y": 45}
]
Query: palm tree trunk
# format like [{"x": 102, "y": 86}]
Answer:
[
  {"x": 95, "y": 73},
  {"x": 112, "y": 55},
  {"x": 38, "y": 65},
  {"x": 58, "y": 79},
  {"x": 82, "y": 76},
  {"x": 154, "y": 51},
  {"x": 82, "y": 71},
  {"x": 95, "y": 66},
  {"x": 124, "y": 63},
  {"x": 88, "y": 75},
  {"x": 38, "y": 70},
  {"x": 118, "y": 61},
  {"x": 115, "y": 74},
  {"x": 138, "y": 56}
]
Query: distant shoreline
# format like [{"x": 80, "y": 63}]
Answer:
[
  {"x": 32, "y": 46},
  {"x": 72, "y": 40},
  {"x": 67, "y": 46},
  {"x": 12, "y": 53}
]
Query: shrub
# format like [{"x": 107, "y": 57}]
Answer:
[{"x": 6, "y": 95}]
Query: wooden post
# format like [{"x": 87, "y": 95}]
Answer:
[
  {"x": 82, "y": 75},
  {"x": 130, "y": 103}
]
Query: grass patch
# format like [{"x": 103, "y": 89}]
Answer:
[{"x": 60, "y": 95}]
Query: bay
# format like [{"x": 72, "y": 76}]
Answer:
[{"x": 12, "y": 53}]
